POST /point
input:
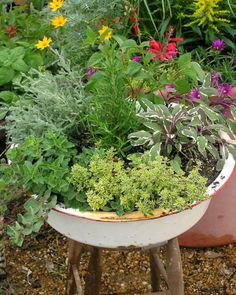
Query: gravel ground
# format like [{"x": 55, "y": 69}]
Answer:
[{"x": 39, "y": 268}]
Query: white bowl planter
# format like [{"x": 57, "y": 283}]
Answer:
[{"x": 106, "y": 229}]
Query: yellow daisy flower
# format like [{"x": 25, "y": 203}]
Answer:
[
  {"x": 42, "y": 44},
  {"x": 103, "y": 30},
  {"x": 59, "y": 21},
  {"x": 56, "y": 4}
]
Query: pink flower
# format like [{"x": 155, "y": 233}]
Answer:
[
  {"x": 224, "y": 89},
  {"x": 170, "y": 88},
  {"x": 218, "y": 44},
  {"x": 137, "y": 58},
  {"x": 194, "y": 94},
  {"x": 90, "y": 71}
]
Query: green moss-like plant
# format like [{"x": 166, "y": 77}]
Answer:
[{"x": 110, "y": 184}]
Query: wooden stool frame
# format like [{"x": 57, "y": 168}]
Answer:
[{"x": 172, "y": 274}]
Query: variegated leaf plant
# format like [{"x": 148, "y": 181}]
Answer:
[{"x": 184, "y": 133}]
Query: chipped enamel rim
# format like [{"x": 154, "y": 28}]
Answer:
[{"x": 213, "y": 189}]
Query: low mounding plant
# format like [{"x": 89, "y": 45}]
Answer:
[{"x": 107, "y": 183}]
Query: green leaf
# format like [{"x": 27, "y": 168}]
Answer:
[
  {"x": 206, "y": 92},
  {"x": 199, "y": 71},
  {"x": 176, "y": 109},
  {"x": 184, "y": 60},
  {"x": 33, "y": 60},
  {"x": 202, "y": 143},
  {"x": 176, "y": 164},
  {"x": 119, "y": 39},
  {"x": 6, "y": 75},
  {"x": 139, "y": 141},
  {"x": 20, "y": 66},
  {"x": 233, "y": 112},
  {"x": 155, "y": 150},
  {"x": 140, "y": 134},
  {"x": 32, "y": 204},
  {"x": 220, "y": 164},
  {"x": 213, "y": 150},
  {"x": 207, "y": 81},
  {"x": 129, "y": 44},
  {"x": 152, "y": 125},
  {"x": 4, "y": 55},
  {"x": 190, "y": 133},
  {"x": 182, "y": 85},
  {"x": 196, "y": 122},
  {"x": 232, "y": 126},
  {"x": 91, "y": 37},
  {"x": 213, "y": 116},
  {"x": 149, "y": 104},
  {"x": 95, "y": 59},
  {"x": 133, "y": 68},
  {"x": 8, "y": 97}
]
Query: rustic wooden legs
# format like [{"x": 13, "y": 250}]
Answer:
[
  {"x": 172, "y": 273},
  {"x": 93, "y": 277},
  {"x": 73, "y": 279},
  {"x": 155, "y": 270},
  {"x": 174, "y": 268}
]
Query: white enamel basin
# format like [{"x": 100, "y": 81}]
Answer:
[{"x": 106, "y": 229}]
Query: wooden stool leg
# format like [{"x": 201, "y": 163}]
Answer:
[
  {"x": 155, "y": 272},
  {"x": 174, "y": 268},
  {"x": 93, "y": 277},
  {"x": 73, "y": 279}
]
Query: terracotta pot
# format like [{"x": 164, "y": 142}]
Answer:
[
  {"x": 218, "y": 225},
  {"x": 106, "y": 229}
]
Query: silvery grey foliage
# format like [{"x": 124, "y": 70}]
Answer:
[{"x": 51, "y": 102}]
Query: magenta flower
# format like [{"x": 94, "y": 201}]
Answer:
[
  {"x": 194, "y": 94},
  {"x": 215, "y": 78},
  {"x": 90, "y": 71},
  {"x": 137, "y": 58},
  {"x": 170, "y": 88},
  {"x": 218, "y": 44},
  {"x": 224, "y": 89}
]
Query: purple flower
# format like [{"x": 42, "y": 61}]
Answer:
[
  {"x": 137, "y": 58},
  {"x": 90, "y": 71},
  {"x": 224, "y": 89},
  {"x": 234, "y": 63},
  {"x": 194, "y": 94},
  {"x": 218, "y": 44},
  {"x": 215, "y": 78},
  {"x": 170, "y": 88}
]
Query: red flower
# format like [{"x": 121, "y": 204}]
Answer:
[
  {"x": 10, "y": 30},
  {"x": 135, "y": 21},
  {"x": 164, "y": 50}
]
